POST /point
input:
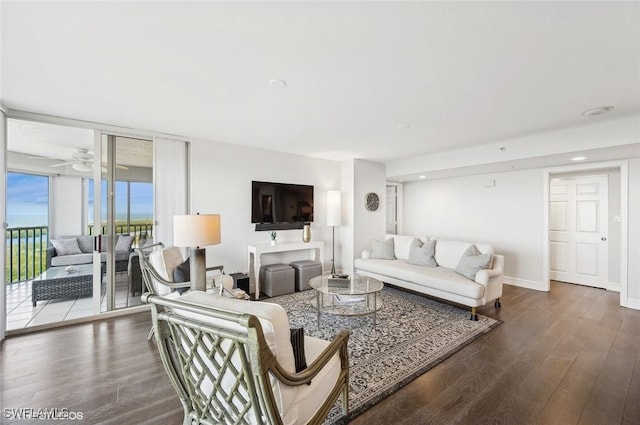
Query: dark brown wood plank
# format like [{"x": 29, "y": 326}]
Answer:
[{"x": 565, "y": 357}]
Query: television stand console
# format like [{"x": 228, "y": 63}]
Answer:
[{"x": 256, "y": 251}]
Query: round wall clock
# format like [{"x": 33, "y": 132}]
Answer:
[{"x": 371, "y": 201}]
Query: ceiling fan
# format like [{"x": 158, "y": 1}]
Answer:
[{"x": 83, "y": 161}]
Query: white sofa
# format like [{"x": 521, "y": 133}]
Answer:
[{"x": 441, "y": 281}]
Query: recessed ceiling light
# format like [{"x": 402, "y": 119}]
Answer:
[
  {"x": 275, "y": 82},
  {"x": 405, "y": 125},
  {"x": 597, "y": 111},
  {"x": 578, "y": 158},
  {"x": 423, "y": 177}
]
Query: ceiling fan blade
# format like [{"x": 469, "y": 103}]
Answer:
[
  {"x": 122, "y": 167},
  {"x": 62, "y": 164}
]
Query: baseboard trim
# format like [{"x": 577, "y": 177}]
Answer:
[
  {"x": 633, "y": 303},
  {"x": 523, "y": 283},
  {"x": 612, "y": 286}
]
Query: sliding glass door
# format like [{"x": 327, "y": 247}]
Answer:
[
  {"x": 70, "y": 184},
  {"x": 124, "y": 211}
]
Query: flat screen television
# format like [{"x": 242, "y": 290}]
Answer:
[{"x": 281, "y": 203}]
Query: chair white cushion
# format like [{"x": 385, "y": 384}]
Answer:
[
  {"x": 275, "y": 326},
  {"x": 164, "y": 262},
  {"x": 309, "y": 397}
]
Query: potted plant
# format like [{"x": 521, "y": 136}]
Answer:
[{"x": 273, "y": 235}]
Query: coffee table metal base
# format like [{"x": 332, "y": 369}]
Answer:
[{"x": 348, "y": 305}]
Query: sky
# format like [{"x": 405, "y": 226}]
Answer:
[{"x": 28, "y": 195}]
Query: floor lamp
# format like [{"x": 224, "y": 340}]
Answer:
[
  {"x": 334, "y": 218},
  {"x": 196, "y": 232}
]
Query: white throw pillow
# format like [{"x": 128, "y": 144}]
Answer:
[{"x": 66, "y": 246}]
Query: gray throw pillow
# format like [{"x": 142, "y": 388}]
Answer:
[
  {"x": 383, "y": 250},
  {"x": 182, "y": 273},
  {"x": 66, "y": 246},
  {"x": 472, "y": 262},
  {"x": 421, "y": 254},
  {"x": 124, "y": 243}
]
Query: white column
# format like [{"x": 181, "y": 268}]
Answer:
[{"x": 3, "y": 219}]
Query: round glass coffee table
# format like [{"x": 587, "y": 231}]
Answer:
[{"x": 351, "y": 295}]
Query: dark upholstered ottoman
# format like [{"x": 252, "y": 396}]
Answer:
[
  {"x": 305, "y": 271},
  {"x": 277, "y": 279}
]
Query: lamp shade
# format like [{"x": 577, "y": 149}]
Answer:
[
  {"x": 196, "y": 230},
  {"x": 334, "y": 209}
]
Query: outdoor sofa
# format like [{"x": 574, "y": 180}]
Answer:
[{"x": 63, "y": 251}]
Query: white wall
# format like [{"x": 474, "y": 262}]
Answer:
[
  {"x": 507, "y": 215},
  {"x": 221, "y": 176},
  {"x": 347, "y": 229},
  {"x": 65, "y": 213},
  {"x": 369, "y": 177},
  {"x": 360, "y": 226}
]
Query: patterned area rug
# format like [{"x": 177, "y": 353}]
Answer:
[{"x": 412, "y": 335}]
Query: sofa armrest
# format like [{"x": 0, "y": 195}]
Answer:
[
  {"x": 483, "y": 276},
  {"x": 365, "y": 254},
  {"x": 51, "y": 252}
]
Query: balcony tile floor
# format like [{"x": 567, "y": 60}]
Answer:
[{"x": 22, "y": 314}]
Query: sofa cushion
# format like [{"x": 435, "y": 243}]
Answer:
[
  {"x": 448, "y": 253},
  {"x": 86, "y": 243},
  {"x": 383, "y": 250},
  {"x": 441, "y": 278},
  {"x": 68, "y": 246},
  {"x": 472, "y": 262},
  {"x": 421, "y": 254},
  {"x": 402, "y": 244},
  {"x": 71, "y": 260}
]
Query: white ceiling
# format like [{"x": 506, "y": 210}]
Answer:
[{"x": 460, "y": 74}]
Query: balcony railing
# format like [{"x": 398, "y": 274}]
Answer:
[
  {"x": 26, "y": 252},
  {"x": 26, "y": 248},
  {"x": 144, "y": 230}
]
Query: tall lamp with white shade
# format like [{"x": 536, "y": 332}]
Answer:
[
  {"x": 196, "y": 232},
  {"x": 334, "y": 218}
]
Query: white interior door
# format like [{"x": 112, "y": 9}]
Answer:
[
  {"x": 578, "y": 230},
  {"x": 392, "y": 210}
]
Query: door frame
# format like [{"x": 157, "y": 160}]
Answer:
[
  {"x": 399, "y": 205},
  {"x": 624, "y": 201}
]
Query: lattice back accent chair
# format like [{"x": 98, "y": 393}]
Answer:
[
  {"x": 232, "y": 362},
  {"x": 157, "y": 272}
]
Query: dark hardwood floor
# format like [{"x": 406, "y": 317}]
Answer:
[{"x": 570, "y": 356}]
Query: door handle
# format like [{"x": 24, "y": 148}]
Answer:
[{"x": 604, "y": 238}]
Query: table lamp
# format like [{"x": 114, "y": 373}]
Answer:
[
  {"x": 334, "y": 218},
  {"x": 196, "y": 232}
]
